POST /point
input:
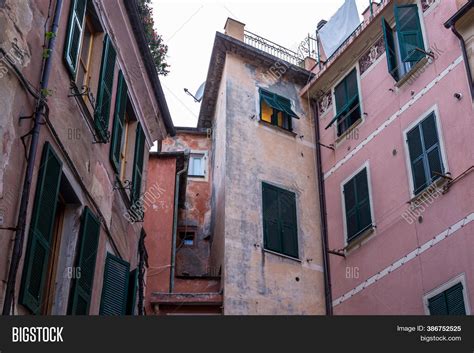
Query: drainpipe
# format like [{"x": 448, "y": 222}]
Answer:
[
  {"x": 25, "y": 195},
  {"x": 322, "y": 209},
  {"x": 466, "y": 59},
  {"x": 175, "y": 226}
]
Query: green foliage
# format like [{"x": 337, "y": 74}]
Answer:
[{"x": 155, "y": 41}]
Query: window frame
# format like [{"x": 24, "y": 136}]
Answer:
[
  {"x": 87, "y": 66},
  {"x": 355, "y": 239},
  {"x": 288, "y": 118},
  {"x": 461, "y": 278},
  {"x": 204, "y": 155},
  {"x": 434, "y": 109},
  {"x": 265, "y": 184},
  {"x": 334, "y": 104}
]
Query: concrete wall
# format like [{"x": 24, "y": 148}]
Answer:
[
  {"x": 255, "y": 281},
  {"x": 381, "y": 275},
  {"x": 90, "y": 174}
]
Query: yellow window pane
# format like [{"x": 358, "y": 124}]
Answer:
[{"x": 267, "y": 112}]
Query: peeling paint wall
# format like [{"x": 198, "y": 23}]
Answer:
[{"x": 255, "y": 281}]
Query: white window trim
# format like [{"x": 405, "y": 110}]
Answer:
[
  {"x": 361, "y": 103},
  {"x": 434, "y": 109},
  {"x": 343, "y": 201},
  {"x": 205, "y": 155},
  {"x": 458, "y": 279}
]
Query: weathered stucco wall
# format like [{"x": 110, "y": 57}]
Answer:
[{"x": 255, "y": 281}]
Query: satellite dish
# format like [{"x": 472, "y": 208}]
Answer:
[{"x": 200, "y": 92}]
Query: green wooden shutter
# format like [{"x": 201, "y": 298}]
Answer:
[
  {"x": 438, "y": 305},
  {"x": 455, "y": 300},
  {"x": 132, "y": 292},
  {"x": 289, "y": 229},
  {"x": 415, "y": 147},
  {"x": 104, "y": 92},
  {"x": 432, "y": 148},
  {"x": 115, "y": 286},
  {"x": 119, "y": 121},
  {"x": 74, "y": 34},
  {"x": 85, "y": 261},
  {"x": 41, "y": 230},
  {"x": 390, "y": 50},
  {"x": 357, "y": 204},
  {"x": 409, "y": 32},
  {"x": 271, "y": 222},
  {"x": 138, "y": 164},
  {"x": 350, "y": 201}
]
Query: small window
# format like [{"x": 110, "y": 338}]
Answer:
[
  {"x": 197, "y": 165},
  {"x": 357, "y": 205},
  {"x": 403, "y": 43},
  {"x": 348, "y": 110},
  {"x": 186, "y": 239},
  {"x": 425, "y": 153},
  {"x": 449, "y": 302},
  {"x": 83, "y": 70},
  {"x": 279, "y": 221},
  {"x": 276, "y": 110}
]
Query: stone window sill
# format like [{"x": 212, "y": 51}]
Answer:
[
  {"x": 281, "y": 255},
  {"x": 349, "y": 130},
  {"x": 360, "y": 240},
  {"x": 412, "y": 72}
]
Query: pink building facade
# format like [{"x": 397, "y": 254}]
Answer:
[{"x": 395, "y": 118}]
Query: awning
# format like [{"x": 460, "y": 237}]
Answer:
[{"x": 279, "y": 103}]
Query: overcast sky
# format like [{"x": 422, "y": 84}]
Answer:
[{"x": 189, "y": 27}]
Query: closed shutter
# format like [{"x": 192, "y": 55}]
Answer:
[
  {"x": 410, "y": 36},
  {"x": 138, "y": 164},
  {"x": 85, "y": 262},
  {"x": 289, "y": 232},
  {"x": 104, "y": 92},
  {"x": 115, "y": 286},
  {"x": 432, "y": 148},
  {"x": 41, "y": 229},
  {"x": 437, "y": 305},
  {"x": 271, "y": 222},
  {"x": 119, "y": 121},
  {"x": 455, "y": 300},
  {"x": 74, "y": 34},
  {"x": 357, "y": 205},
  {"x": 390, "y": 50},
  {"x": 132, "y": 292}
]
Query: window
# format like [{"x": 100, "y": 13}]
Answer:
[
  {"x": 276, "y": 110},
  {"x": 83, "y": 70},
  {"x": 186, "y": 239},
  {"x": 74, "y": 34},
  {"x": 115, "y": 286},
  {"x": 348, "y": 110},
  {"x": 197, "y": 165},
  {"x": 280, "y": 229},
  {"x": 357, "y": 205},
  {"x": 120, "y": 128},
  {"x": 425, "y": 153},
  {"x": 404, "y": 43},
  {"x": 449, "y": 302},
  {"x": 138, "y": 160}
]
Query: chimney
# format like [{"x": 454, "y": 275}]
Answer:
[{"x": 234, "y": 29}]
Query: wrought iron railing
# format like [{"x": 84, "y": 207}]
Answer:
[{"x": 272, "y": 48}]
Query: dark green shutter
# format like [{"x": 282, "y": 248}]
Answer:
[
  {"x": 409, "y": 32},
  {"x": 104, "y": 92},
  {"x": 357, "y": 205},
  {"x": 138, "y": 164},
  {"x": 390, "y": 50},
  {"x": 88, "y": 242},
  {"x": 41, "y": 230},
  {"x": 280, "y": 229},
  {"x": 449, "y": 302},
  {"x": 74, "y": 33},
  {"x": 115, "y": 286},
  {"x": 132, "y": 292},
  {"x": 119, "y": 122},
  {"x": 271, "y": 222}
]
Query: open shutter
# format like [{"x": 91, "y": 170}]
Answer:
[
  {"x": 138, "y": 164},
  {"x": 455, "y": 300},
  {"x": 132, "y": 292},
  {"x": 115, "y": 286},
  {"x": 74, "y": 34},
  {"x": 410, "y": 36},
  {"x": 104, "y": 92},
  {"x": 119, "y": 121},
  {"x": 271, "y": 222},
  {"x": 41, "y": 229},
  {"x": 85, "y": 262},
  {"x": 289, "y": 229},
  {"x": 437, "y": 305},
  {"x": 390, "y": 50}
]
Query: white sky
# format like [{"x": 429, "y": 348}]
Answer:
[{"x": 189, "y": 27}]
